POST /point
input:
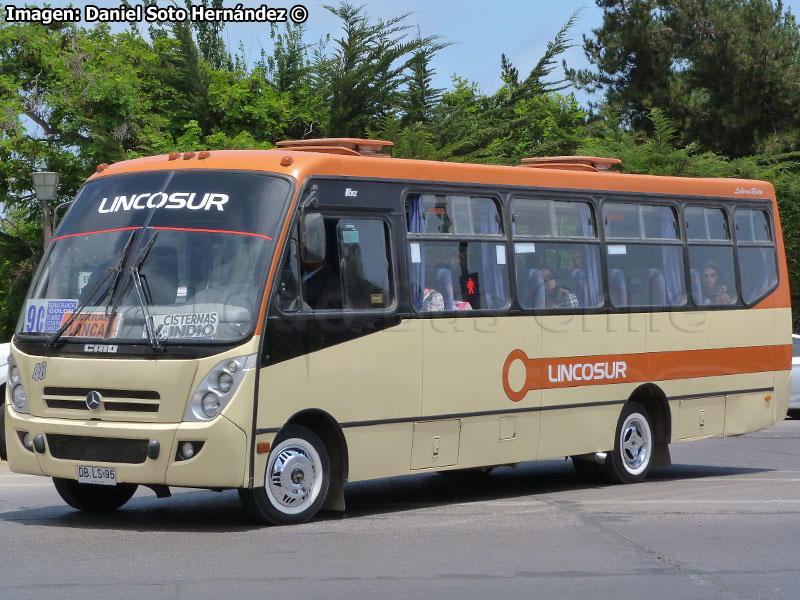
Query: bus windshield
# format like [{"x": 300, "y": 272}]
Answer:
[{"x": 166, "y": 257}]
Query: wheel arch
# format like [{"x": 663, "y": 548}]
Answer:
[
  {"x": 330, "y": 432},
  {"x": 654, "y": 400}
]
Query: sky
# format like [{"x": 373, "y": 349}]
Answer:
[{"x": 480, "y": 31}]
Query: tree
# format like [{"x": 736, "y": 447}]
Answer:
[
  {"x": 364, "y": 74},
  {"x": 725, "y": 72},
  {"x": 209, "y": 39},
  {"x": 419, "y": 97}
]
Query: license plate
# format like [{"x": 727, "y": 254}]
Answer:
[{"x": 97, "y": 475}]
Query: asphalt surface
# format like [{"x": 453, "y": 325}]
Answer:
[{"x": 723, "y": 522}]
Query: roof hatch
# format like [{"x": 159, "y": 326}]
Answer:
[
  {"x": 344, "y": 146},
  {"x": 571, "y": 163}
]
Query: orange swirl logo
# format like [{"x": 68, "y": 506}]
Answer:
[{"x": 564, "y": 372}]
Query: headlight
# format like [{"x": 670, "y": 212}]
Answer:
[
  {"x": 218, "y": 387},
  {"x": 210, "y": 405},
  {"x": 19, "y": 399},
  {"x": 225, "y": 382}
]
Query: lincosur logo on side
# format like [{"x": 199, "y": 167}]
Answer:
[{"x": 176, "y": 200}]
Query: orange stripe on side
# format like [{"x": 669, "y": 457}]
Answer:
[{"x": 550, "y": 373}]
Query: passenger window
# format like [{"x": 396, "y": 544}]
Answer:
[
  {"x": 712, "y": 275},
  {"x": 452, "y": 275},
  {"x": 757, "y": 258},
  {"x": 453, "y": 215},
  {"x": 551, "y": 218},
  {"x": 711, "y": 266},
  {"x": 355, "y": 275},
  {"x": 639, "y": 221},
  {"x": 752, "y": 226},
  {"x": 448, "y": 274},
  {"x": 706, "y": 224},
  {"x": 646, "y": 275},
  {"x": 758, "y": 272},
  {"x": 552, "y": 275}
]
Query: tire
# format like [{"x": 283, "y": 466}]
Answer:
[
  {"x": 94, "y": 498},
  {"x": 588, "y": 471},
  {"x": 297, "y": 479},
  {"x": 629, "y": 461}
]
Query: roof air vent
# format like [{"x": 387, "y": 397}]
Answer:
[
  {"x": 571, "y": 163},
  {"x": 344, "y": 146}
]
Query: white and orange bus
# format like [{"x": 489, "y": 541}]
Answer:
[{"x": 281, "y": 322}]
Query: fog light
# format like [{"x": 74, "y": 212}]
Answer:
[
  {"x": 225, "y": 382},
  {"x": 210, "y": 405},
  {"x": 27, "y": 441},
  {"x": 187, "y": 450},
  {"x": 13, "y": 375},
  {"x": 232, "y": 366}
]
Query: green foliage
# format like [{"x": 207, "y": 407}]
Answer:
[
  {"x": 364, "y": 74},
  {"x": 733, "y": 64},
  {"x": 20, "y": 251},
  {"x": 687, "y": 86}
]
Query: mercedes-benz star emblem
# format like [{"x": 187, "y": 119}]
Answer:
[{"x": 93, "y": 400}]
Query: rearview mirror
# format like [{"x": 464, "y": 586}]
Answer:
[{"x": 312, "y": 238}]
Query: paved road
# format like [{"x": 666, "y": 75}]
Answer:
[{"x": 723, "y": 522}]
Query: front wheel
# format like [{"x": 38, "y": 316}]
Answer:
[
  {"x": 94, "y": 498},
  {"x": 296, "y": 480},
  {"x": 629, "y": 461}
]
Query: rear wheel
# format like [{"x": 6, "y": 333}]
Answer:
[
  {"x": 629, "y": 461},
  {"x": 94, "y": 498},
  {"x": 296, "y": 480}
]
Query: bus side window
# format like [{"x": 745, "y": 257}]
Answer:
[
  {"x": 288, "y": 295},
  {"x": 363, "y": 263},
  {"x": 355, "y": 274}
]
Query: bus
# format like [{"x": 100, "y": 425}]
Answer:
[{"x": 281, "y": 322}]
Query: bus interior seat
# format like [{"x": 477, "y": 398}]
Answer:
[
  {"x": 580, "y": 286},
  {"x": 697, "y": 288},
  {"x": 159, "y": 274},
  {"x": 617, "y": 289},
  {"x": 657, "y": 288},
  {"x": 532, "y": 289},
  {"x": 646, "y": 287},
  {"x": 444, "y": 278}
]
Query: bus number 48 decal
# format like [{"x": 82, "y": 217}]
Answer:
[{"x": 40, "y": 371}]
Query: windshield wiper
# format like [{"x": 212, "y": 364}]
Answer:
[
  {"x": 116, "y": 270},
  {"x": 155, "y": 343}
]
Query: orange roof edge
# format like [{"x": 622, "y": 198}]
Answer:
[{"x": 571, "y": 163}]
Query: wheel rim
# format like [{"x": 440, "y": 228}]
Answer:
[
  {"x": 635, "y": 444},
  {"x": 294, "y": 476}
]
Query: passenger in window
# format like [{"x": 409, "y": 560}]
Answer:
[
  {"x": 432, "y": 301},
  {"x": 578, "y": 260},
  {"x": 714, "y": 291},
  {"x": 556, "y": 296}
]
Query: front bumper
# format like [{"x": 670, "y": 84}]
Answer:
[{"x": 221, "y": 463}]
